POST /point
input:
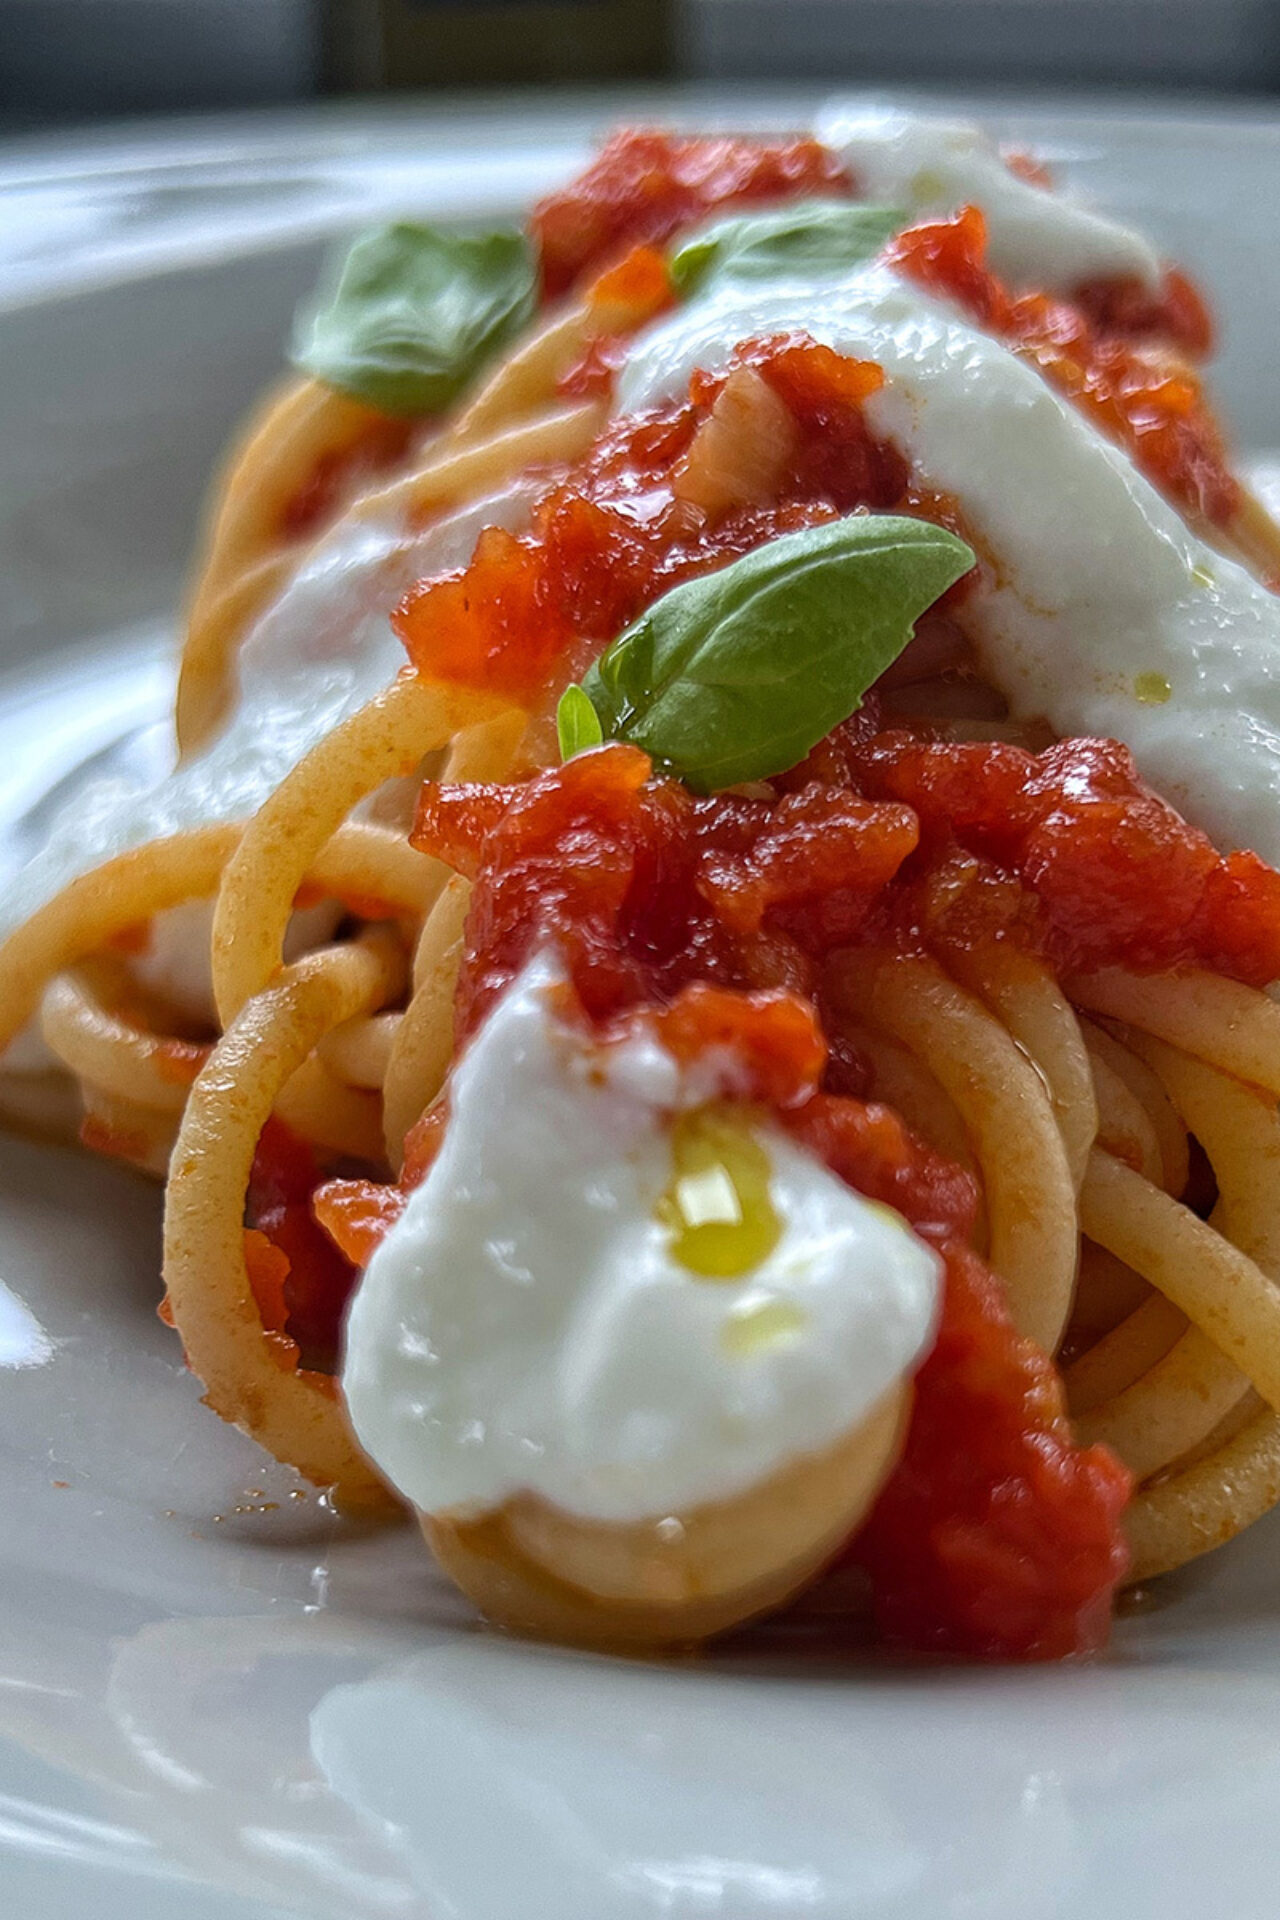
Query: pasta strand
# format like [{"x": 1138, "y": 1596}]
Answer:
[
  {"x": 1004, "y": 1104},
  {"x": 1232, "y": 1027},
  {"x": 295, "y": 1415},
  {"x": 1219, "y": 1288},
  {"x": 383, "y": 741},
  {"x": 1022, "y": 991}
]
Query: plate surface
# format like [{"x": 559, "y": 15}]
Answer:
[{"x": 215, "y": 1698}]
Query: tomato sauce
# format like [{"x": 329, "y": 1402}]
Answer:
[
  {"x": 1066, "y": 850},
  {"x": 996, "y": 1537},
  {"x": 645, "y": 185},
  {"x": 301, "y": 1281},
  {"x": 378, "y": 449},
  {"x": 884, "y": 837},
  {"x": 533, "y": 610},
  {"x": 1153, "y": 407},
  {"x": 1124, "y": 303},
  {"x": 712, "y": 919},
  {"x": 1174, "y": 311}
]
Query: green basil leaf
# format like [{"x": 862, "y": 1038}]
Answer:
[
  {"x": 411, "y": 312},
  {"x": 577, "y": 723},
  {"x": 738, "y": 674},
  {"x": 805, "y": 237}
]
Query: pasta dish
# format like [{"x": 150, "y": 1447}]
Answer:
[{"x": 699, "y": 985}]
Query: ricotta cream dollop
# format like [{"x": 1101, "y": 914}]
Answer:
[
  {"x": 526, "y": 1326},
  {"x": 1036, "y": 237},
  {"x": 1096, "y": 591}
]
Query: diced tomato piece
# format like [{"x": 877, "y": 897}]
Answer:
[
  {"x": 645, "y": 185},
  {"x": 1093, "y": 350},
  {"x": 301, "y": 1281}
]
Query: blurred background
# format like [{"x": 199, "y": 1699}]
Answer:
[{"x": 69, "y": 60}]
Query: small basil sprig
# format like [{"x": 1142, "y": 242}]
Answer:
[
  {"x": 410, "y": 313},
  {"x": 577, "y": 723},
  {"x": 738, "y": 674},
  {"x": 805, "y": 237}
]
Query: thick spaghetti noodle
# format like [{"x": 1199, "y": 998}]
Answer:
[{"x": 989, "y": 980}]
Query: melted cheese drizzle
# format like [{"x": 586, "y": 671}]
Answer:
[
  {"x": 1097, "y": 591},
  {"x": 1036, "y": 238},
  {"x": 318, "y": 653}
]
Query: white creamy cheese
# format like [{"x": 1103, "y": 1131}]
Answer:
[
  {"x": 525, "y": 1325},
  {"x": 317, "y": 653},
  {"x": 175, "y": 961},
  {"x": 1036, "y": 238},
  {"x": 1097, "y": 591}
]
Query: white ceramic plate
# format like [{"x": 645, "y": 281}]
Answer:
[{"x": 215, "y": 1699}]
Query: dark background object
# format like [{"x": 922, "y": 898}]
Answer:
[
  {"x": 91, "y": 59},
  {"x": 1170, "y": 43},
  {"x": 81, "y": 59},
  {"x": 448, "y": 43}
]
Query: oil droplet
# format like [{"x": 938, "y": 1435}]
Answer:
[
  {"x": 718, "y": 1208},
  {"x": 670, "y": 1530},
  {"x": 297, "y": 1493},
  {"x": 758, "y": 1325},
  {"x": 927, "y": 185},
  {"x": 1202, "y": 575},
  {"x": 1152, "y": 689}
]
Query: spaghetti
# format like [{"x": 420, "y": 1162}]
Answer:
[{"x": 961, "y": 959}]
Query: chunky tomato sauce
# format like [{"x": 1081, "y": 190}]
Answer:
[
  {"x": 645, "y": 185},
  {"x": 1174, "y": 311},
  {"x": 301, "y": 1281},
  {"x": 533, "y": 610},
  {"x": 1124, "y": 303},
  {"x": 1155, "y": 408},
  {"x": 1067, "y": 851},
  {"x": 996, "y": 1537},
  {"x": 882, "y": 837},
  {"x": 713, "y": 918}
]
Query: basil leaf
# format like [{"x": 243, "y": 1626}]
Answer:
[
  {"x": 577, "y": 723},
  {"x": 738, "y": 674},
  {"x": 806, "y": 237},
  {"x": 411, "y": 312}
]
